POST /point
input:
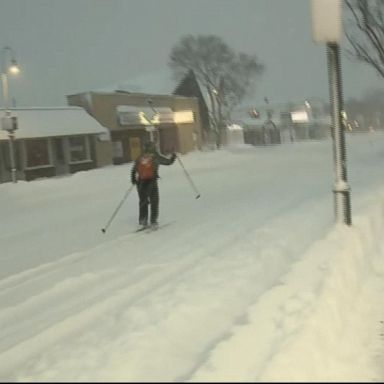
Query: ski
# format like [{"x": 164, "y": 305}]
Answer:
[
  {"x": 150, "y": 229},
  {"x": 141, "y": 229}
]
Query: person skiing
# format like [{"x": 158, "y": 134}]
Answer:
[{"x": 144, "y": 175}]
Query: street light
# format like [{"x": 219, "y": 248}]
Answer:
[
  {"x": 9, "y": 123},
  {"x": 326, "y": 28}
]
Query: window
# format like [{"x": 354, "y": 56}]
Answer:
[
  {"x": 37, "y": 153},
  {"x": 78, "y": 149}
]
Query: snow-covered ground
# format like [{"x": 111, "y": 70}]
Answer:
[{"x": 253, "y": 281}]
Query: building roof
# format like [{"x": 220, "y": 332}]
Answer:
[
  {"x": 155, "y": 83},
  {"x": 53, "y": 122},
  {"x": 296, "y": 109}
]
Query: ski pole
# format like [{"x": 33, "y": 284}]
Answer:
[
  {"x": 189, "y": 178},
  {"x": 117, "y": 208},
  {"x": 150, "y": 103}
]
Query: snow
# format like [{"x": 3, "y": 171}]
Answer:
[
  {"x": 53, "y": 122},
  {"x": 253, "y": 281}
]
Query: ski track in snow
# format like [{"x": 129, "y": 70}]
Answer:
[
  {"x": 55, "y": 303},
  {"x": 35, "y": 322}
]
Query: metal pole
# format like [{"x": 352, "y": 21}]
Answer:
[
  {"x": 4, "y": 85},
  {"x": 117, "y": 208},
  {"x": 341, "y": 188},
  {"x": 156, "y": 128},
  {"x": 189, "y": 178},
  {"x": 12, "y": 155}
]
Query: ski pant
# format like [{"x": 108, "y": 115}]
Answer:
[{"x": 148, "y": 194}]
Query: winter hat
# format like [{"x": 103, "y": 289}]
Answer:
[{"x": 149, "y": 146}]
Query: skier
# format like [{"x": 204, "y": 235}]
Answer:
[{"x": 144, "y": 175}]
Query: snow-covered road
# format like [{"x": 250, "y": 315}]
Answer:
[{"x": 80, "y": 305}]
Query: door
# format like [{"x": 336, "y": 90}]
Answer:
[{"x": 134, "y": 147}]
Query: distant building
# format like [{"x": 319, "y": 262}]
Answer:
[
  {"x": 54, "y": 141},
  {"x": 260, "y": 126},
  {"x": 190, "y": 86},
  {"x": 148, "y": 107},
  {"x": 364, "y": 115},
  {"x": 234, "y": 135},
  {"x": 284, "y": 122}
]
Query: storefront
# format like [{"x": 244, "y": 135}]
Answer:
[
  {"x": 171, "y": 121},
  {"x": 55, "y": 141}
]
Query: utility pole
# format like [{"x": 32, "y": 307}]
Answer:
[
  {"x": 9, "y": 122},
  {"x": 341, "y": 188},
  {"x": 326, "y": 28}
]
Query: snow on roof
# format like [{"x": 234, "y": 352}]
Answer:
[
  {"x": 53, "y": 122},
  {"x": 129, "y": 114},
  {"x": 156, "y": 83},
  {"x": 235, "y": 127},
  {"x": 145, "y": 109}
]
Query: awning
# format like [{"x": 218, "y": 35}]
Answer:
[{"x": 143, "y": 115}]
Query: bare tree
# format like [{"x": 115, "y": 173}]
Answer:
[
  {"x": 364, "y": 29},
  {"x": 226, "y": 77}
]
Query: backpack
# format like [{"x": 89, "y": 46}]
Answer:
[{"x": 146, "y": 167}]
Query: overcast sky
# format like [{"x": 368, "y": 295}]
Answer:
[{"x": 70, "y": 46}]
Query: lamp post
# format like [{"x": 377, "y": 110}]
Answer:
[
  {"x": 326, "y": 28},
  {"x": 9, "y": 123},
  {"x": 153, "y": 129}
]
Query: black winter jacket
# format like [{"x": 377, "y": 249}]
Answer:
[{"x": 157, "y": 160}]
